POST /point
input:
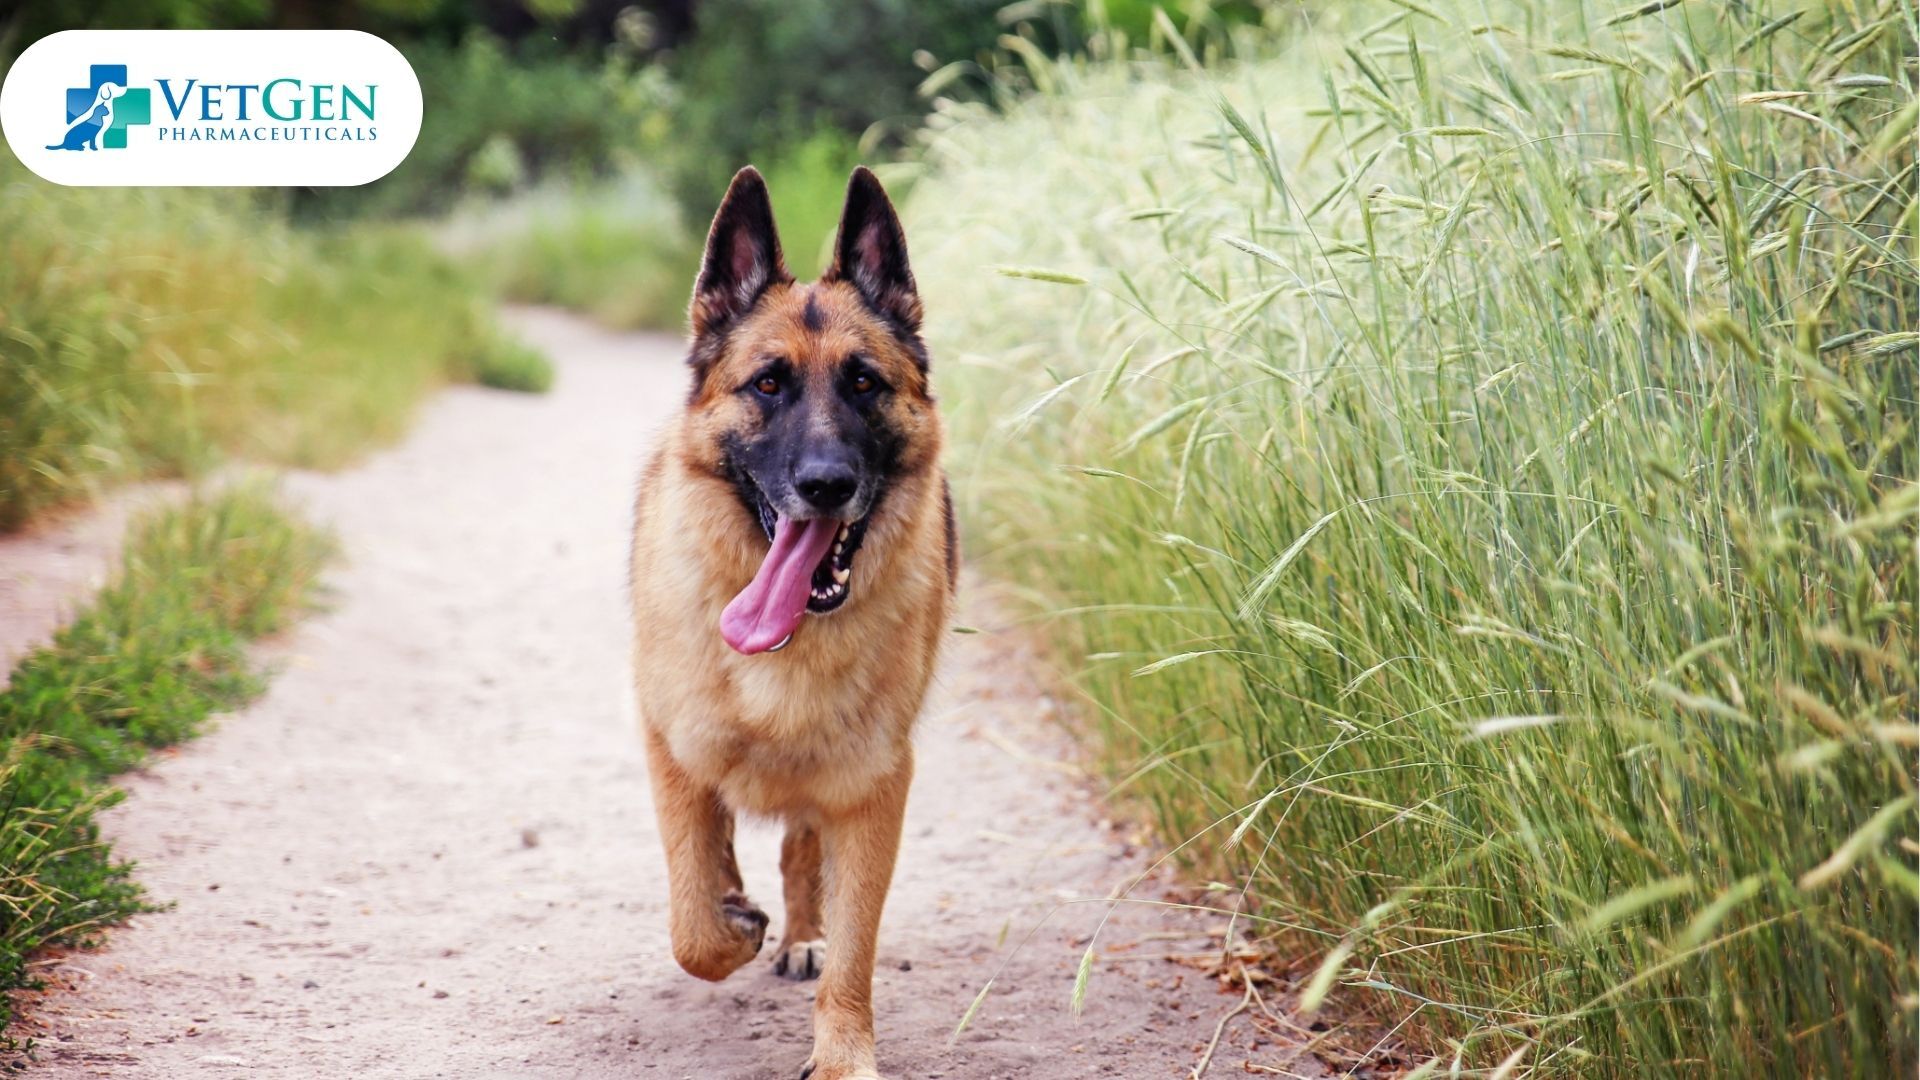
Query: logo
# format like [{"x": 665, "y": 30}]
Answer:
[
  {"x": 211, "y": 107},
  {"x": 99, "y": 113}
]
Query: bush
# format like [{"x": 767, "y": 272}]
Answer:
[
  {"x": 808, "y": 182},
  {"x": 502, "y": 116},
  {"x": 157, "y": 652},
  {"x": 1477, "y": 466},
  {"x": 508, "y": 364},
  {"x": 151, "y": 332},
  {"x": 761, "y": 77}
]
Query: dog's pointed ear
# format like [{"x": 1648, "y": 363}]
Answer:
[
  {"x": 871, "y": 253},
  {"x": 742, "y": 257}
]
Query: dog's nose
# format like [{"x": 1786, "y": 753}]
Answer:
[{"x": 825, "y": 483}]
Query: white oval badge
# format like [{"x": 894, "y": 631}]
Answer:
[{"x": 195, "y": 108}]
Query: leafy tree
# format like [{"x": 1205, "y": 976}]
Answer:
[{"x": 759, "y": 77}]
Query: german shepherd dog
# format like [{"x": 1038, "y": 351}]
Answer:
[{"x": 793, "y": 567}]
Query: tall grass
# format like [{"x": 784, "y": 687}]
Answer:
[
  {"x": 155, "y": 331},
  {"x": 1473, "y": 453},
  {"x": 156, "y": 653}
]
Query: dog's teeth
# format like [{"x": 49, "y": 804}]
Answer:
[
  {"x": 841, "y": 574},
  {"x": 837, "y": 545}
]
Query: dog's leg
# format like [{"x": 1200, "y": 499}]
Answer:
[
  {"x": 802, "y": 953},
  {"x": 715, "y": 927},
  {"x": 861, "y": 844}
]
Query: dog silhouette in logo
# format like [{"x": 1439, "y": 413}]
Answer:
[{"x": 85, "y": 130}]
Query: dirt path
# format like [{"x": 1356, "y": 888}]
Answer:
[{"x": 428, "y": 851}]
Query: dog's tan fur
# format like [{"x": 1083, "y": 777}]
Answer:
[{"x": 818, "y": 733}]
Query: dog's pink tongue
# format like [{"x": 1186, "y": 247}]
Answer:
[{"x": 769, "y": 608}]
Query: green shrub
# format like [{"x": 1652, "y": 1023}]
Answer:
[
  {"x": 155, "y": 331},
  {"x": 501, "y": 116},
  {"x": 760, "y": 77},
  {"x": 510, "y": 364},
  {"x": 808, "y": 182},
  {"x": 156, "y": 653},
  {"x": 1477, "y": 466}
]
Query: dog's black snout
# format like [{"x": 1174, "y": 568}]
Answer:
[{"x": 826, "y": 483}]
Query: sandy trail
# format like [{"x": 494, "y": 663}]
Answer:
[{"x": 428, "y": 851}]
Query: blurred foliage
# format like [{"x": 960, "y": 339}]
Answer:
[
  {"x": 652, "y": 24},
  {"x": 808, "y": 181},
  {"x": 521, "y": 93},
  {"x": 524, "y": 92},
  {"x": 31, "y": 21},
  {"x": 759, "y": 77},
  {"x": 618, "y": 250},
  {"x": 515, "y": 92},
  {"x": 511, "y": 364},
  {"x": 1195, "y": 19},
  {"x": 501, "y": 117},
  {"x": 624, "y": 252}
]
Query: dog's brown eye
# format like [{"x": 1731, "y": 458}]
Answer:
[
  {"x": 864, "y": 384},
  {"x": 767, "y": 385}
]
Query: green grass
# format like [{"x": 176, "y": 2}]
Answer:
[
  {"x": 1471, "y": 469},
  {"x": 507, "y": 364},
  {"x": 617, "y": 251},
  {"x": 157, "y": 652},
  {"x": 155, "y": 332},
  {"x": 809, "y": 186}
]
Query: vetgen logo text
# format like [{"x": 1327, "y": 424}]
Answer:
[{"x": 211, "y": 107}]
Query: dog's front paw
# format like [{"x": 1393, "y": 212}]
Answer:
[
  {"x": 750, "y": 921},
  {"x": 801, "y": 960},
  {"x": 714, "y": 943}
]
